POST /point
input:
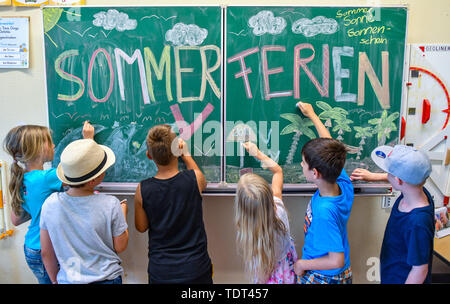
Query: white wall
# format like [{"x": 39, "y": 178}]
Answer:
[{"x": 23, "y": 100}]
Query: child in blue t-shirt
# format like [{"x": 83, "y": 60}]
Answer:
[
  {"x": 31, "y": 146},
  {"x": 326, "y": 252},
  {"x": 407, "y": 249}
]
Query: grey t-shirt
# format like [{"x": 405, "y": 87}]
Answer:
[{"x": 81, "y": 230}]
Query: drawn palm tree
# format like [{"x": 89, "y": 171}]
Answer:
[
  {"x": 298, "y": 126},
  {"x": 384, "y": 125},
  {"x": 342, "y": 125},
  {"x": 330, "y": 113},
  {"x": 362, "y": 133}
]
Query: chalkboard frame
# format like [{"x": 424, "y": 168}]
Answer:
[{"x": 223, "y": 188}]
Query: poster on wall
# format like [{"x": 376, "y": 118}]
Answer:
[
  {"x": 67, "y": 2},
  {"x": 14, "y": 42},
  {"x": 30, "y": 2},
  {"x": 6, "y": 2}
]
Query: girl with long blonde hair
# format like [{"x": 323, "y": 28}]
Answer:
[
  {"x": 31, "y": 146},
  {"x": 263, "y": 234}
]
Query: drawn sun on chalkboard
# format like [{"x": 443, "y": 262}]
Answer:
[{"x": 51, "y": 18}]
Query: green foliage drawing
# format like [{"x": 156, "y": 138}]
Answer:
[
  {"x": 298, "y": 126},
  {"x": 341, "y": 126},
  {"x": 329, "y": 113},
  {"x": 384, "y": 125},
  {"x": 363, "y": 133}
]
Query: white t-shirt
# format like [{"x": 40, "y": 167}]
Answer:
[
  {"x": 81, "y": 230},
  {"x": 283, "y": 241}
]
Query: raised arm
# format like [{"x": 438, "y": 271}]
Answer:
[
  {"x": 308, "y": 111},
  {"x": 267, "y": 162},
  {"x": 192, "y": 165},
  {"x": 88, "y": 130}
]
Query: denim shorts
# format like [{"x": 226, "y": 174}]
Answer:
[
  {"x": 117, "y": 280},
  {"x": 34, "y": 261}
]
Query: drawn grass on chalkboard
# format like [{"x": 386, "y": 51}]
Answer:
[
  {"x": 363, "y": 133},
  {"x": 51, "y": 17},
  {"x": 298, "y": 126},
  {"x": 158, "y": 17},
  {"x": 384, "y": 125}
]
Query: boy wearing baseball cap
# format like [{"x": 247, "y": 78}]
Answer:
[
  {"x": 81, "y": 231},
  {"x": 407, "y": 249}
]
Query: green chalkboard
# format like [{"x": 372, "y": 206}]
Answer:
[
  {"x": 346, "y": 61},
  {"x": 126, "y": 69}
]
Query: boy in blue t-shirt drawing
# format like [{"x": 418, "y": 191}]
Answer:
[
  {"x": 326, "y": 252},
  {"x": 407, "y": 249}
]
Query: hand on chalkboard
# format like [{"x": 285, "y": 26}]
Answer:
[
  {"x": 88, "y": 130},
  {"x": 251, "y": 148},
  {"x": 183, "y": 147},
  {"x": 306, "y": 109}
]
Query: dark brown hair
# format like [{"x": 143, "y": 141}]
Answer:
[
  {"x": 159, "y": 143},
  {"x": 327, "y": 156}
]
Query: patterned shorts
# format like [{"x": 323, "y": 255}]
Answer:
[{"x": 312, "y": 277}]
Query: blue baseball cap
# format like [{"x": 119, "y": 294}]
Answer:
[{"x": 405, "y": 162}]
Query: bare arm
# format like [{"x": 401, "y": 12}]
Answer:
[
  {"x": 417, "y": 274},
  {"x": 333, "y": 260},
  {"x": 49, "y": 256},
  {"x": 192, "y": 165},
  {"x": 17, "y": 220},
  {"x": 120, "y": 242},
  {"x": 366, "y": 175},
  {"x": 308, "y": 111},
  {"x": 277, "y": 178},
  {"x": 140, "y": 217}
]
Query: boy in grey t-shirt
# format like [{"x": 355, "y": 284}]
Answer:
[{"x": 81, "y": 231}]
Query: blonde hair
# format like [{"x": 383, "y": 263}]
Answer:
[
  {"x": 159, "y": 144},
  {"x": 258, "y": 226},
  {"x": 24, "y": 143}
]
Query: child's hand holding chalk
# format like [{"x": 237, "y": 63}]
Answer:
[
  {"x": 88, "y": 130},
  {"x": 306, "y": 109}
]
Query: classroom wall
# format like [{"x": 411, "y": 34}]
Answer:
[{"x": 23, "y": 100}]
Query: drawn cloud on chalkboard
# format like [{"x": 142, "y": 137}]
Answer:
[
  {"x": 113, "y": 19},
  {"x": 265, "y": 22},
  {"x": 186, "y": 34},
  {"x": 315, "y": 26}
]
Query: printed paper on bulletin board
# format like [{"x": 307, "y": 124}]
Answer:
[
  {"x": 67, "y": 2},
  {"x": 30, "y": 2}
]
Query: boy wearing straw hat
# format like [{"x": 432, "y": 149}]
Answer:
[
  {"x": 407, "y": 249},
  {"x": 81, "y": 231}
]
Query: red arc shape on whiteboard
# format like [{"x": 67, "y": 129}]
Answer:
[{"x": 443, "y": 87}]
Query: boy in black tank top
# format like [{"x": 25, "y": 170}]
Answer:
[{"x": 169, "y": 206}]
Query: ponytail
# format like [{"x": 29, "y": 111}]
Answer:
[
  {"x": 24, "y": 143},
  {"x": 15, "y": 188}
]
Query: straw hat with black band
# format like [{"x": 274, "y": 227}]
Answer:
[{"x": 84, "y": 160}]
